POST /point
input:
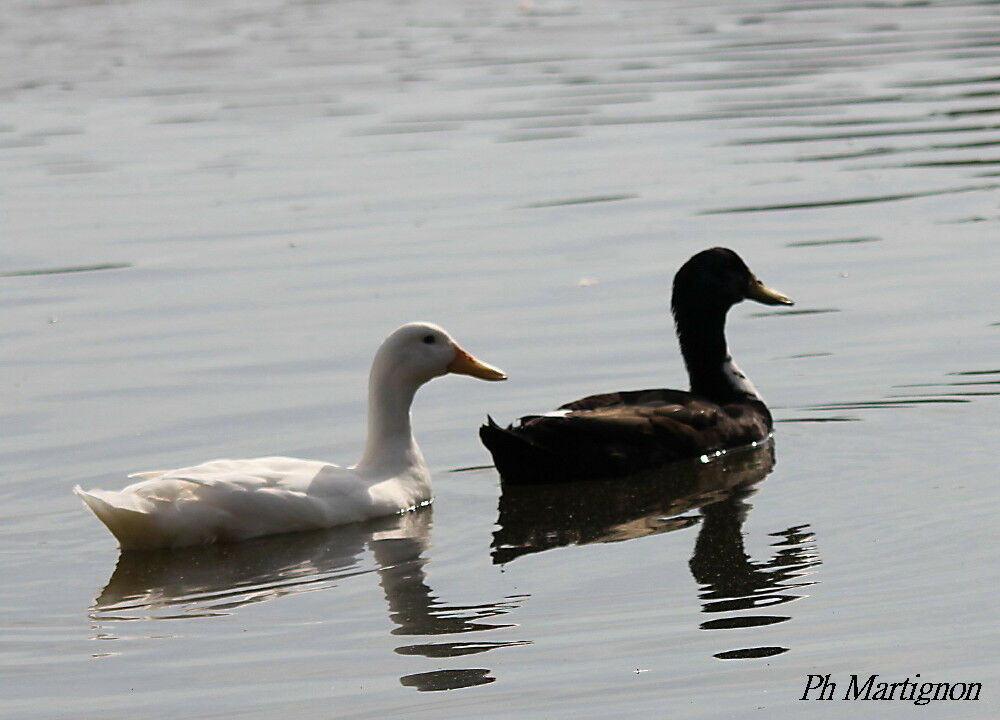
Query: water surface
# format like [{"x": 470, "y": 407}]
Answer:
[{"x": 213, "y": 213}]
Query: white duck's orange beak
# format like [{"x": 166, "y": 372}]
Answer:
[{"x": 466, "y": 364}]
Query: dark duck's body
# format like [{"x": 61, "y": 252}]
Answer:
[{"x": 621, "y": 433}]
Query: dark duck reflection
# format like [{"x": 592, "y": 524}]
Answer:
[
  {"x": 535, "y": 518},
  {"x": 621, "y": 433},
  {"x": 219, "y": 579},
  {"x": 731, "y": 582}
]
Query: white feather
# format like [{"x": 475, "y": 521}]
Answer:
[{"x": 738, "y": 379}]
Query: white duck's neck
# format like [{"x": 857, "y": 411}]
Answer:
[{"x": 390, "y": 447}]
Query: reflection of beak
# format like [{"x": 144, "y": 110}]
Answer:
[
  {"x": 763, "y": 294},
  {"x": 465, "y": 364}
]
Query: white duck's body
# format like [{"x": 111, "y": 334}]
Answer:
[{"x": 228, "y": 500}]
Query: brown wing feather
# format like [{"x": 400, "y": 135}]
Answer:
[{"x": 630, "y": 398}]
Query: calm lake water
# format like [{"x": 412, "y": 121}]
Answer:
[{"x": 212, "y": 212}]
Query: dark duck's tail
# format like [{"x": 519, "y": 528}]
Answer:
[{"x": 516, "y": 455}]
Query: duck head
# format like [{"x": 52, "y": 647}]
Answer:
[
  {"x": 718, "y": 277},
  {"x": 422, "y": 351}
]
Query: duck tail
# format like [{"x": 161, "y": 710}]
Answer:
[
  {"x": 130, "y": 525},
  {"x": 517, "y": 458}
]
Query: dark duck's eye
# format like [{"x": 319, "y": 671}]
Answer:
[{"x": 429, "y": 339}]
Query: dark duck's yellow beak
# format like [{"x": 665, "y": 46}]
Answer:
[{"x": 763, "y": 294}]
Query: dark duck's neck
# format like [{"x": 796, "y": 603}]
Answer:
[
  {"x": 713, "y": 374},
  {"x": 705, "y": 288}
]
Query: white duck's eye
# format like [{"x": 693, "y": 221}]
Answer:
[{"x": 429, "y": 339}]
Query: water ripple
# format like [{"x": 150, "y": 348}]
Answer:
[
  {"x": 64, "y": 270},
  {"x": 848, "y": 201}
]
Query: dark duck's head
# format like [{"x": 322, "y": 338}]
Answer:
[
  {"x": 705, "y": 287},
  {"x": 718, "y": 278}
]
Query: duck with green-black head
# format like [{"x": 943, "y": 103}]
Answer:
[{"x": 621, "y": 433}]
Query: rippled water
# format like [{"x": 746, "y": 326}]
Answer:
[{"x": 212, "y": 213}]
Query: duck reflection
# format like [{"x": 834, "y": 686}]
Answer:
[
  {"x": 218, "y": 579},
  {"x": 540, "y": 517},
  {"x": 416, "y": 611},
  {"x": 732, "y": 582}
]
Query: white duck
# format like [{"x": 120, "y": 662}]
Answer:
[{"x": 228, "y": 500}]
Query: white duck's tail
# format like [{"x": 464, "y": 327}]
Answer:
[{"x": 129, "y": 524}]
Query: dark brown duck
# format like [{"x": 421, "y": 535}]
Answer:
[{"x": 621, "y": 433}]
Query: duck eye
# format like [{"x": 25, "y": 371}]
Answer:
[{"x": 429, "y": 339}]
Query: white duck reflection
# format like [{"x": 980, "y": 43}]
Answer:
[
  {"x": 219, "y": 579},
  {"x": 535, "y": 518}
]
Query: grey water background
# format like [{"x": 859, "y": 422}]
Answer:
[{"x": 212, "y": 212}]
